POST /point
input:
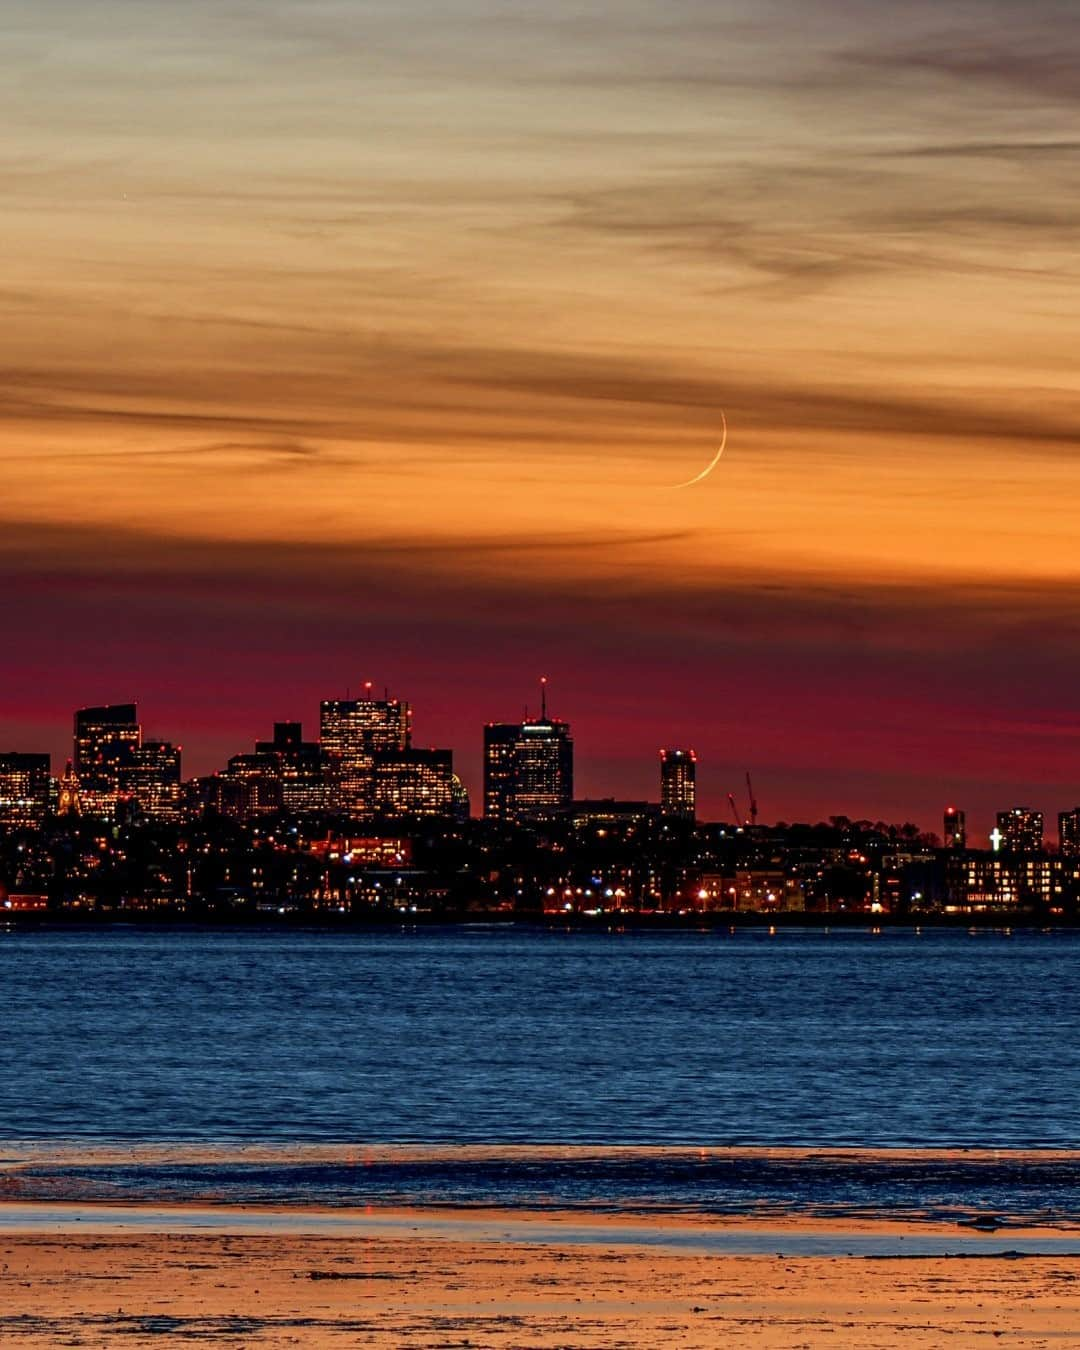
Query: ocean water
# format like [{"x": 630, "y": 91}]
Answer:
[{"x": 568, "y": 1043}]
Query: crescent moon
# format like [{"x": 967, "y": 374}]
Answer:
[{"x": 699, "y": 477}]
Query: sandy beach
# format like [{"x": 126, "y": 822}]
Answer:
[{"x": 424, "y": 1281}]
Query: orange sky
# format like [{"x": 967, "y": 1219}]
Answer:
[{"x": 458, "y": 296}]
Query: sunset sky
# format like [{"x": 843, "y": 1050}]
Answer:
[{"x": 365, "y": 339}]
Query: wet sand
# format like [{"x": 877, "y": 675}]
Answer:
[
  {"x": 427, "y": 1282},
  {"x": 911, "y": 1185}
]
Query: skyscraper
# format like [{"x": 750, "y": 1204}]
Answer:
[
  {"x": 151, "y": 778},
  {"x": 678, "y": 783},
  {"x": 105, "y": 741},
  {"x": 528, "y": 768},
  {"x": 1020, "y": 830},
  {"x": 954, "y": 828},
  {"x": 353, "y": 732}
]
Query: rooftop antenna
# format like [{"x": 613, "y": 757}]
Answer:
[{"x": 543, "y": 698}]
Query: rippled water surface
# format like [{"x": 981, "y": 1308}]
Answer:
[{"x": 493, "y": 1035}]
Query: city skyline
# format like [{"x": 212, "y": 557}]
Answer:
[
  {"x": 377, "y": 762},
  {"x": 362, "y": 823}
]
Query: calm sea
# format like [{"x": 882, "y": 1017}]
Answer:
[{"x": 492, "y": 1035}]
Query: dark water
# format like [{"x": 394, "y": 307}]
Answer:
[
  {"x": 491, "y": 1036},
  {"x": 495, "y": 1036}
]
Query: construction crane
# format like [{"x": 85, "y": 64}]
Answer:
[
  {"x": 753, "y": 799},
  {"x": 735, "y": 809}
]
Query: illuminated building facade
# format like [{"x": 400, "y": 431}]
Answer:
[
  {"x": 68, "y": 796},
  {"x": 1069, "y": 833},
  {"x": 954, "y": 828},
  {"x": 986, "y": 881},
  {"x": 609, "y": 818},
  {"x": 353, "y": 732},
  {"x": 250, "y": 786},
  {"x": 377, "y": 850},
  {"x": 301, "y": 767},
  {"x": 105, "y": 741},
  {"x": 416, "y": 783},
  {"x": 528, "y": 769},
  {"x": 1019, "y": 831},
  {"x": 151, "y": 779},
  {"x": 678, "y": 784},
  {"x": 24, "y": 788},
  {"x": 759, "y": 890}
]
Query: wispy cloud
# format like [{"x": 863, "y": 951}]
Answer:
[
  {"x": 547, "y": 395},
  {"x": 1036, "y": 57}
]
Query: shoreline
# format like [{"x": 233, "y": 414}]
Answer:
[
  {"x": 710, "y": 1189},
  {"x": 1006, "y": 922}
]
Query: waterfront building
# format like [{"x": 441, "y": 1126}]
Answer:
[
  {"x": 1007, "y": 881},
  {"x": 755, "y": 890},
  {"x": 763, "y": 890},
  {"x": 1019, "y": 831}
]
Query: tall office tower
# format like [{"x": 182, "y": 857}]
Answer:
[
  {"x": 500, "y": 746},
  {"x": 302, "y": 768},
  {"x": 678, "y": 783},
  {"x": 528, "y": 768},
  {"x": 1069, "y": 833},
  {"x": 954, "y": 828},
  {"x": 24, "y": 788},
  {"x": 105, "y": 741},
  {"x": 151, "y": 779},
  {"x": 1019, "y": 830},
  {"x": 416, "y": 783},
  {"x": 353, "y": 732}
]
